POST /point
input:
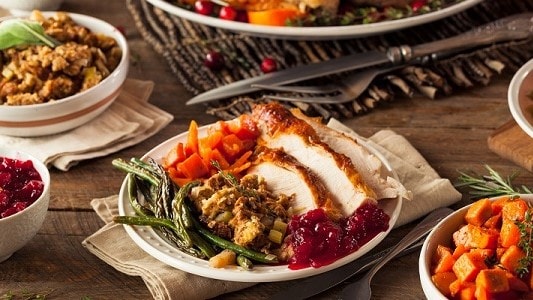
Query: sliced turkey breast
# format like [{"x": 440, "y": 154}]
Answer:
[
  {"x": 284, "y": 174},
  {"x": 367, "y": 164},
  {"x": 281, "y": 129}
]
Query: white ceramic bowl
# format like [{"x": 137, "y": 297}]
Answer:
[
  {"x": 442, "y": 234},
  {"x": 520, "y": 104},
  {"x": 24, "y": 7},
  {"x": 18, "y": 229},
  {"x": 68, "y": 113}
]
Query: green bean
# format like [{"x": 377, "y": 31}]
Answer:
[
  {"x": 202, "y": 244},
  {"x": 244, "y": 262},
  {"x": 225, "y": 244},
  {"x": 134, "y": 201},
  {"x": 159, "y": 223},
  {"x": 136, "y": 170},
  {"x": 177, "y": 207}
]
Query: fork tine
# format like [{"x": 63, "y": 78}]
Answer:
[{"x": 314, "y": 89}]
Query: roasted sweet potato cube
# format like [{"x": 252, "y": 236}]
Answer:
[
  {"x": 493, "y": 280},
  {"x": 443, "y": 280},
  {"x": 467, "y": 291},
  {"x": 509, "y": 233},
  {"x": 472, "y": 236},
  {"x": 479, "y": 212},
  {"x": 443, "y": 260},
  {"x": 514, "y": 210},
  {"x": 468, "y": 265},
  {"x": 494, "y": 221},
  {"x": 510, "y": 259}
]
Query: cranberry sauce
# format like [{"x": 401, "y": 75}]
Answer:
[
  {"x": 20, "y": 185},
  {"x": 317, "y": 241}
]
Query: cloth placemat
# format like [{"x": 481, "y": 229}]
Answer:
[
  {"x": 128, "y": 121},
  {"x": 184, "y": 45},
  {"x": 113, "y": 245}
]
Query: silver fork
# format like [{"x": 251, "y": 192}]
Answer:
[
  {"x": 360, "y": 289},
  {"x": 348, "y": 89}
]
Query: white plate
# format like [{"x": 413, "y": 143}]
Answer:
[
  {"x": 157, "y": 246},
  {"x": 520, "y": 105},
  {"x": 314, "y": 33}
]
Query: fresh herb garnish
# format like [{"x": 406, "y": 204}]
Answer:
[
  {"x": 526, "y": 236},
  {"x": 491, "y": 185},
  {"x": 19, "y": 32},
  {"x": 233, "y": 181}
]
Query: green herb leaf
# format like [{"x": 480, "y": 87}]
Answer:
[
  {"x": 490, "y": 185},
  {"x": 18, "y": 32}
]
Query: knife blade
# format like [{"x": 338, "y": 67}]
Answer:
[
  {"x": 514, "y": 27},
  {"x": 316, "y": 284}
]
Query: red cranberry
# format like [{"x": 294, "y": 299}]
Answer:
[
  {"x": 268, "y": 65},
  {"x": 227, "y": 13},
  {"x": 21, "y": 185},
  {"x": 242, "y": 16},
  {"x": 204, "y": 7},
  {"x": 214, "y": 60},
  {"x": 417, "y": 4}
]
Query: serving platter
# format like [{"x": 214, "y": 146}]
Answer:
[
  {"x": 315, "y": 33},
  {"x": 157, "y": 246}
]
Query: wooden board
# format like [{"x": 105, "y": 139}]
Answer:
[{"x": 511, "y": 142}]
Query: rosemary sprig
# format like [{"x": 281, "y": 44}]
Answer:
[
  {"x": 233, "y": 181},
  {"x": 490, "y": 185}
]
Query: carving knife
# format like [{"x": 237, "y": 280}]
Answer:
[
  {"x": 316, "y": 284},
  {"x": 514, "y": 27}
]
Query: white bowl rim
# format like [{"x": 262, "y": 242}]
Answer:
[
  {"x": 121, "y": 41},
  {"x": 38, "y": 165},
  {"x": 513, "y": 94}
]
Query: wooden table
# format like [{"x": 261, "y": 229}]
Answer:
[{"x": 451, "y": 133}]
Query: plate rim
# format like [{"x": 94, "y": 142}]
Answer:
[
  {"x": 153, "y": 244},
  {"x": 315, "y": 33}
]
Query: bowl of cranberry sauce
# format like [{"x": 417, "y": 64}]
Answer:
[{"x": 24, "y": 198}]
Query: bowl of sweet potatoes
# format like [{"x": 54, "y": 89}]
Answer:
[{"x": 481, "y": 251}]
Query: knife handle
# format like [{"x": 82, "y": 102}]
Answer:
[{"x": 515, "y": 27}]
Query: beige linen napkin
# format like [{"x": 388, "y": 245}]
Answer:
[
  {"x": 113, "y": 245},
  {"x": 129, "y": 120}
]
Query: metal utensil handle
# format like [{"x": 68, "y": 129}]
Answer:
[
  {"x": 422, "y": 228},
  {"x": 515, "y": 27}
]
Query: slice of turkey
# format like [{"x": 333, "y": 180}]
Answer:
[
  {"x": 367, "y": 164},
  {"x": 281, "y": 129},
  {"x": 284, "y": 174}
]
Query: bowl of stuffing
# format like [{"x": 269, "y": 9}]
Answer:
[
  {"x": 481, "y": 251},
  {"x": 520, "y": 97},
  {"x": 58, "y": 71},
  {"x": 24, "y": 198}
]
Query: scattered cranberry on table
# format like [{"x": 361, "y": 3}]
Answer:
[
  {"x": 214, "y": 60},
  {"x": 20, "y": 185},
  {"x": 268, "y": 65}
]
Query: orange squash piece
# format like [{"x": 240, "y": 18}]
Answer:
[
  {"x": 479, "y": 212},
  {"x": 514, "y": 210},
  {"x": 443, "y": 260},
  {"x": 493, "y": 280},
  {"x": 509, "y": 233},
  {"x": 511, "y": 258},
  {"x": 193, "y": 167},
  {"x": 467, "y": 266},
  {"x": 472, "y": 236},
  {"x": 467, "y": 291},
  {"x": 443, "y": 280}
]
